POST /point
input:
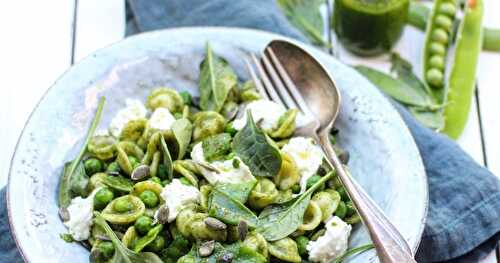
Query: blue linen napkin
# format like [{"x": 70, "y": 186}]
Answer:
[{"x": 463, "y": 223}]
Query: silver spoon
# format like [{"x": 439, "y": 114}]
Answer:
[{"x": 294, "y": 78}]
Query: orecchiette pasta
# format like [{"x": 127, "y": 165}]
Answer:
[
  {"x": 165, "y": 98},
  {"x": 263, "y": 194}
]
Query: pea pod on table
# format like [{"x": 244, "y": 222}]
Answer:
[{"x": 453, "y": 87}]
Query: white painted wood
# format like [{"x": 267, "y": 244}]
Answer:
[
  {"x": 99, "y": 23},
  {"x": 36, "y": 48},
  {"x": 489, "y": 92}
]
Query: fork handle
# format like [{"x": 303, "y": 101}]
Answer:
[{"x": 390, "y": 245}]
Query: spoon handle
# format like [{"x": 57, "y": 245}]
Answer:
[{"x": 390, "y": 245}]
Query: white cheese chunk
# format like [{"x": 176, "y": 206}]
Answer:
[
  {"x": 331, "y": 244},
  {"x": 223, "y": 171},
  {"x": 161, "y": 119},
  {"x": 307, "y": 156},
  {"x": 264, "y": 112},
  {"x": 177, "y": 196},
  {"x": 80, "y": 216},
  {"x": 134, "y": 110}
]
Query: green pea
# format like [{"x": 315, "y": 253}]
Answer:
[
  {"x": 437, "y": 49},
  {"x": 343, "y": 193},
  {"x": 122, "y": 205},
  {"x": 435, "y": 77},
  {"x": 102, "y": 198},
  {"x": 185, "y": 181},
  {"x": 134, "y": 161},
  {"x": 230, "y": 129},
  {"x": 444, "y": 22},
  {"x": 155, "y": 179},
  {"x": 341, "y": 210},
  {"x": 143, "y": 224},
  {"x": 334, "y": 183},
  {"x": 448, "y": 9},
  {"x": 107, "y": 249},
  {"x": 178, "y": 115},
  {"x": 113, "y": 167},
  {"x": 236, "y": 163},
  {"x": 302, "y": 245},
  {"x": 162, "y": 172},
  {"x": 350, "y": 210},
  {"x": 93, "y": 166},
  {"x": 149, "y": 198},
  {"x": 296, "y": 188},
  {"x": 312, "y": 180},
  {"x": 436, "y": 61},
  {"x": 156, "y": 245},
  {"x": 186, "y": 97},
  {"x": 440, "y": 36}
]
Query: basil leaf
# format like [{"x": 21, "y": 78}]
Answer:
[
  {"x": 395, "y": 88},
  {"x": 70, "y": 175},
  {"x": 305, "y": 15},
  {"x": 280, "y": 220},
  {"x": 182, "y": 130},
  {"x": 239, "y": 192},
  {"x": 229, "y": 210},
  {"x": 167, "y": 159},
  {"x": 122, "y": 253},
  {"x": 252, "y": 146},
  {"x": 217, "y": 78},
  {"x": 216, "y": 147}
]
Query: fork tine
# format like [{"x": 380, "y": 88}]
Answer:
[
  {"x": 256, "y": 80},
  {"x": 267, "y": 83},
  {"x": 278, "y": 84},
  {"x": 302, "y": 105}
]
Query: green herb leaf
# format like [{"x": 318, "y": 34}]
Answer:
[
  {"x": 167, "y": 159},
  {"x": 280, "y": 220},
  {"x": 118, "y": 183},
  {"x": 79, "y": 182},
  {"x": 122, "y": 253},
  {"x": 252, "y": 146},
  {"x": 216, "y": 147},
  {"x": 238, "y": 192},
  {"x": 217, "y": 78},
  {"x": 65, "y": 195},
  {"x": 229, "y": 210},
  {"x": 147, "y": 239},
  {"x": 182, "y": 130},
  {"x": 404, "y": 72},
  {"x": 305, "y": 15},
  {"x": 241, "y": 254}
]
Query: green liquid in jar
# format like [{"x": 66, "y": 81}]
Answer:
[{"x": 369, "y": 27}]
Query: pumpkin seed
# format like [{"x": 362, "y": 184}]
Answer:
[
  {"x": 140, "y": 172},
  {"x": 161, "y": 216},
  {"x": 64, "y": 214},
  {"x": 242, "y": 230},
  {"x": 206, "y": 249},
  {"x": 215, "y": 223},
  {"x": 225, "y": 258}
]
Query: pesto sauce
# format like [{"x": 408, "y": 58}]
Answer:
[{"x": 369, "y": 27}]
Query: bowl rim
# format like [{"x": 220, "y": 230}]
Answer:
[{"x": 213, "y": 29}]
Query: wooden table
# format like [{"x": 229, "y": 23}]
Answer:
[{"x": 43, "y": 38}]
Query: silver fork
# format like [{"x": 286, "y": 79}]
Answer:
[{"x": 274, "y": 83}]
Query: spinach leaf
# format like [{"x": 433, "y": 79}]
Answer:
[
  {"x": 404, "y": 72},
  {"x": 122, "y": 253},
  {"x": 280, "y": 220},
  {"x": 252, "y": 146},
  {"x": 182, "y": 130},
  {"x": 217, "y": 78},
  {"x": 118, "y": 183},
  {"x": 73, "y": 178},
  {"x": 431, "y": 119},
  {"x": 241, "y": 254},
  {"x": 229, "y": 210},
  {"x": 167, "y": 159},
  {"x": 305, "y": 15},
  {"x": 216, "y": 147},
  {"x": 239, "y": 192}
]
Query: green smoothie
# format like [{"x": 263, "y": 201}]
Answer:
[{"x": 369, "y": 27}]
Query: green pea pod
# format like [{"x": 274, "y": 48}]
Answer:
[{"x": 462, "y": 77}]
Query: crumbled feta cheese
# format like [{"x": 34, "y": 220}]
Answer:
[
  {"x": 80, "y": 216},
  {"x": 223, "y": 171},
  {"x": 133, "y": 111},
  {"x": 307, "y": 156},
  {"x": 177, "y": 196},
  {"x": 331, "y": 244},
  {"x": 264, "y": 112},
  {"x": 161, "y": 119}
]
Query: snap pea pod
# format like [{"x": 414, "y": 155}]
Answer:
[
  {"x": 419, "y": 14},
  {"x": 462, "y": 77}
]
